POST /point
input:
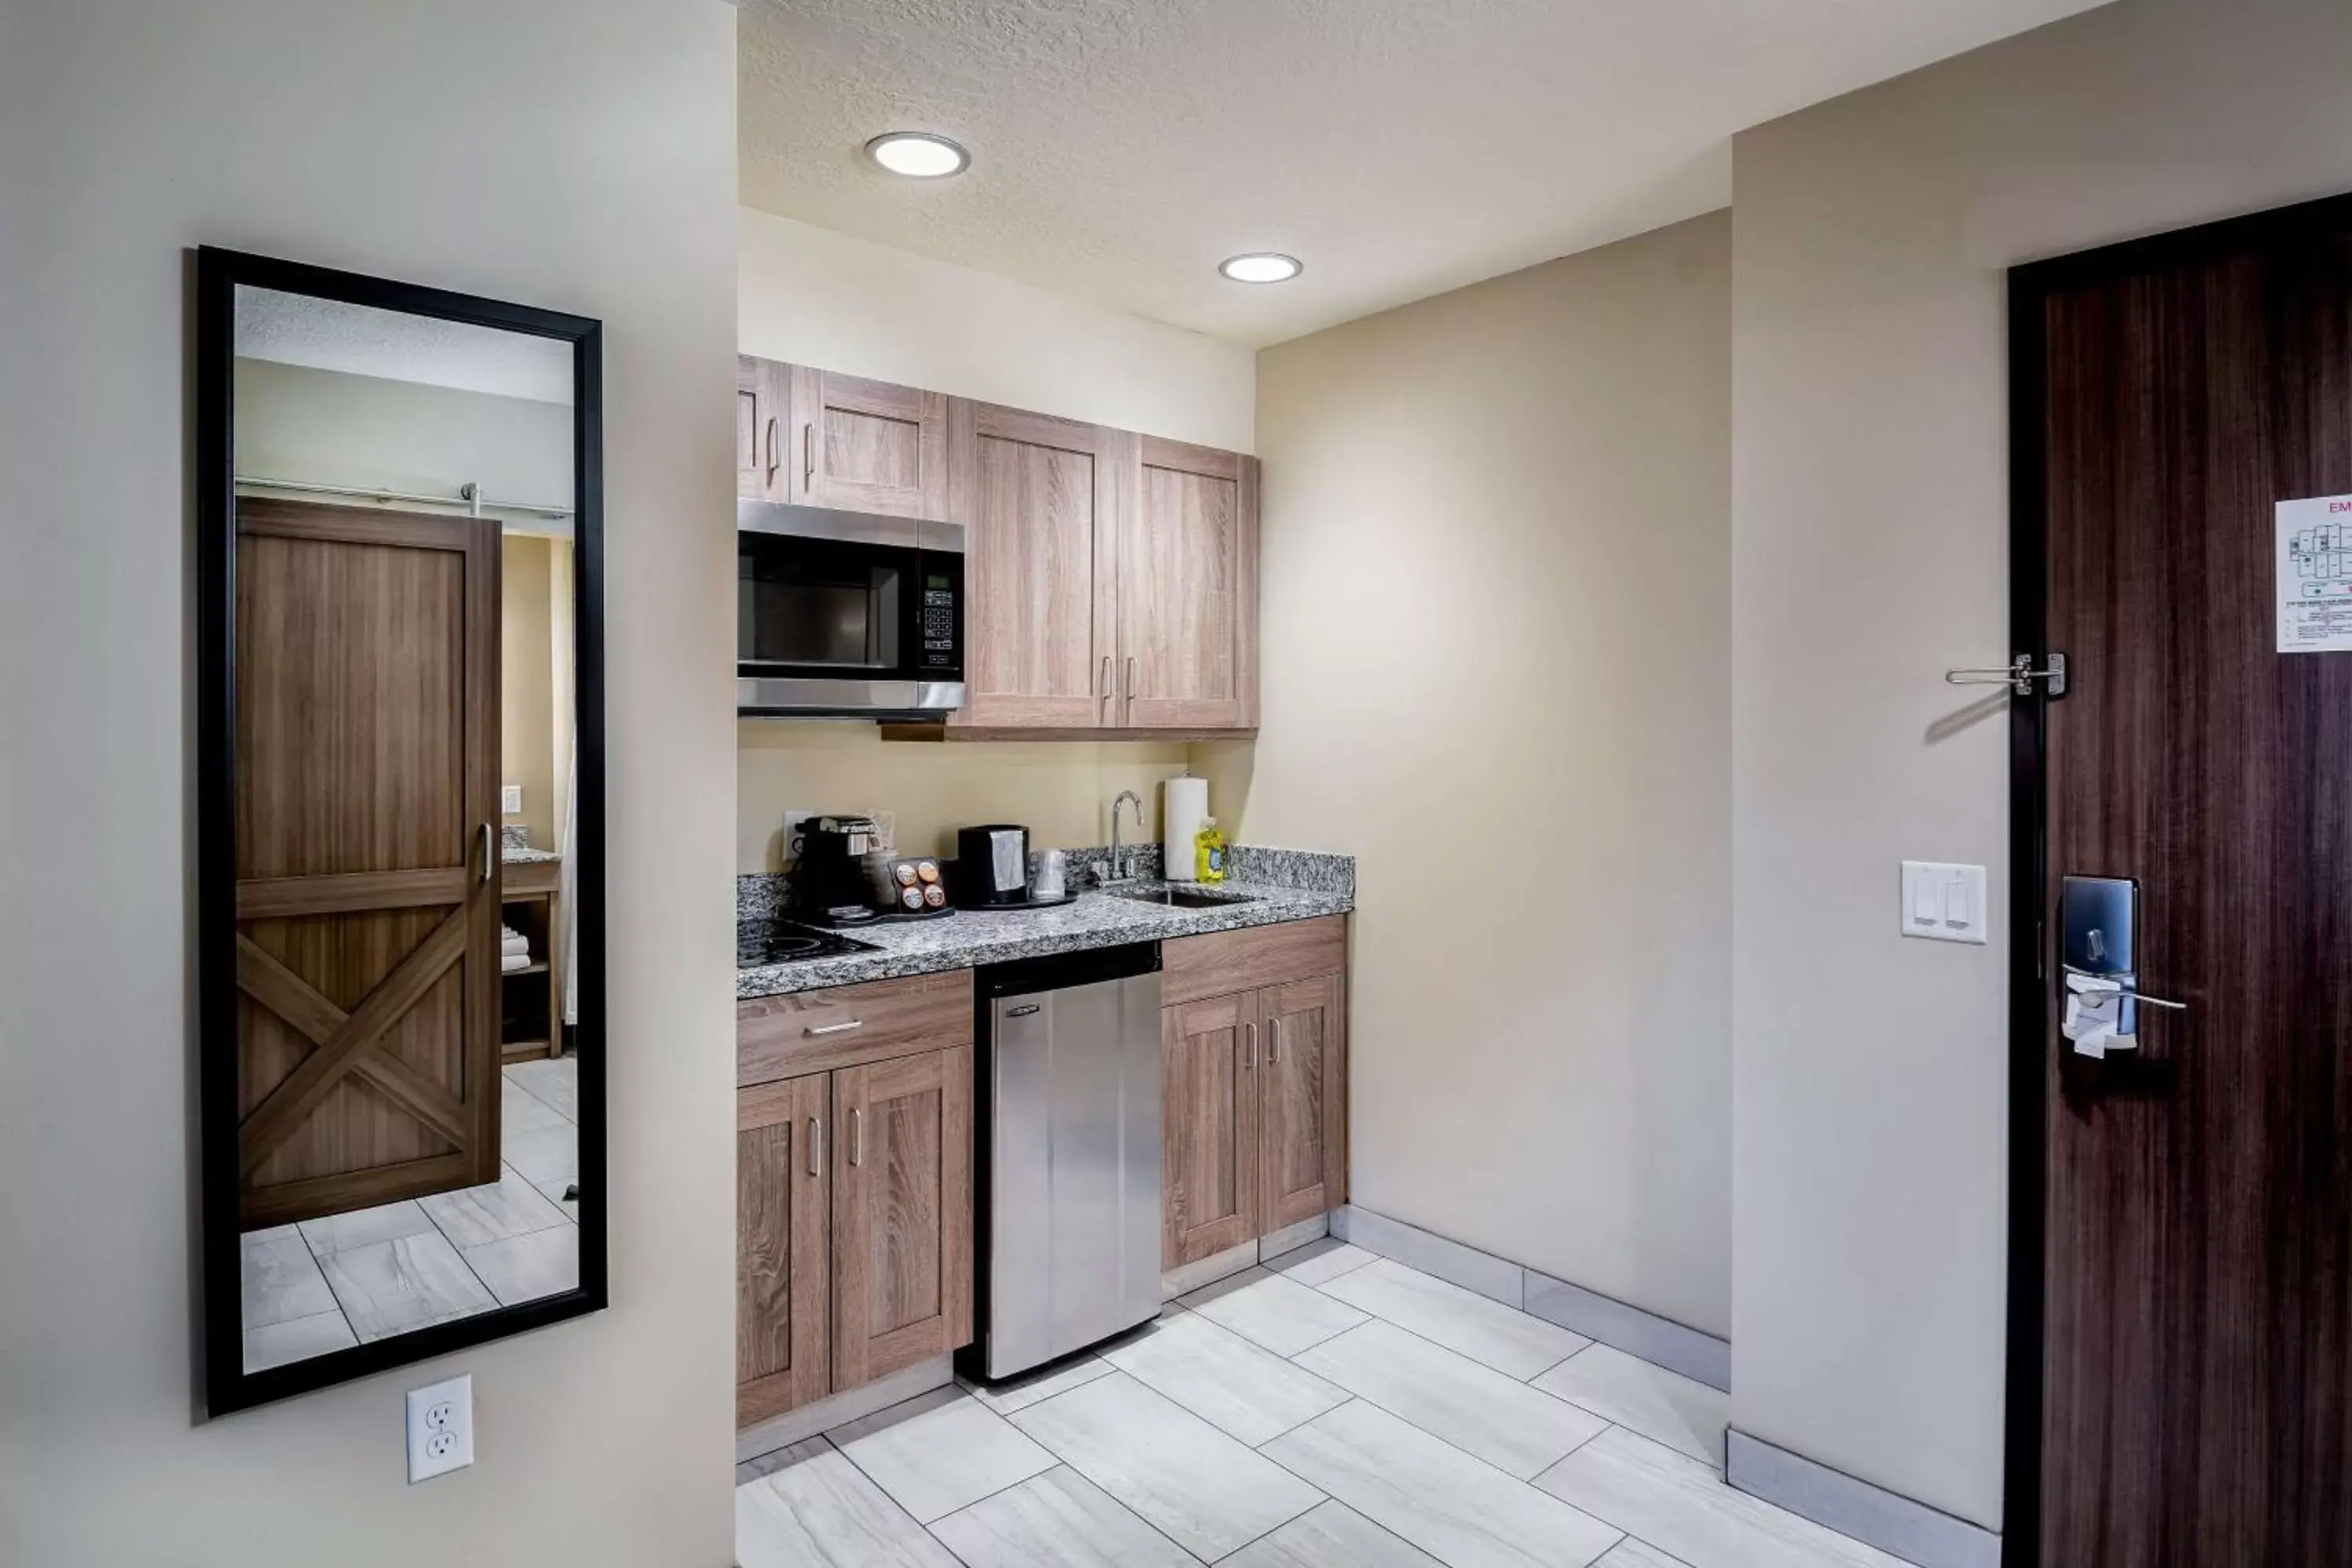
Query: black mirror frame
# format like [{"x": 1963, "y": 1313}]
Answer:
[{"x": 226, "y": 1386}]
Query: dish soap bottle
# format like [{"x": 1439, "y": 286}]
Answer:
[{"x": 1209, "y": 852}]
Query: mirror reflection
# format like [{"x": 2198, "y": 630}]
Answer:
[{"x": 403, "y": 783}]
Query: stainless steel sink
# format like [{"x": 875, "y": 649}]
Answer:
[{"x": 1181, "y": 898}]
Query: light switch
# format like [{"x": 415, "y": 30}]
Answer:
[
  {"x": 510, "y": 799},
  {"x": 1944, "y": 902}
]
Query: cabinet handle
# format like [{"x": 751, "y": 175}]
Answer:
[
  {"x": 1272, "y": 1041},
  {"x": 814, "y": 1030},
  {"x": 808, "y": 454},
  {"x": 816, "y": 1146},
  {"x": 773, "y": 460},
  {"x": 1249, "y": 1048},
  {"x": 857, "y": 1135},
  {"x": 489, "y": 857},
  {"x": 1109, "y": 687},
  {"x": 1130, "y": 678}
]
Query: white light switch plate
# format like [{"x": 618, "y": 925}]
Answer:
[
  {"x": 511, "y": 798},
  {"x": 440, "y": 1429},
  {"x": 1944, "y": 902}
]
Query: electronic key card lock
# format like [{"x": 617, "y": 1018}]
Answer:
[{"x": 2098, "y": 923}]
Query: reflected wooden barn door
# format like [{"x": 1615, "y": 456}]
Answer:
[{"x": 367, "y": 861}]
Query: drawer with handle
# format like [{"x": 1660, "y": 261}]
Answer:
[{"x": 844, "y": 1025}]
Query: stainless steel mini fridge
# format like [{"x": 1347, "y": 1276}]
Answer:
[{"x": 1068, "y": 1157}]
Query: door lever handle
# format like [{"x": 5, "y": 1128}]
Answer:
[{"x": 2126, "y": 987}]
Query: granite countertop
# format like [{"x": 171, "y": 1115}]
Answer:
[
  {"x": 970, "y": 937},
  {"x": 524, "y": 855}
]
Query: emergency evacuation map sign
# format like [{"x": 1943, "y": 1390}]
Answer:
[{"x": 2314, "y": 576}]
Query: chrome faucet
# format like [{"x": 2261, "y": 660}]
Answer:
[{"x": 1118, "y": 873}]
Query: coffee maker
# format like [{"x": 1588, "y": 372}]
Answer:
[{"x": 830, "y": 882}]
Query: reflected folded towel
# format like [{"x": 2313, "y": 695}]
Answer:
[{"x": 510, "y": 961}]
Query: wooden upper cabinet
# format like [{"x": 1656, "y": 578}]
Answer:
[
  {"x": 784, "y": 1349},
  {"x": 902, "y": 1253},
  {"x": 867, "y": 445},
  {"x": 762, "y": 429},
  {"x": 367, "y": 869},
  {"x": 1038, "y": 498},
  {"x": 1209, "y": 1110},
  {"x": 1188, "y": 590},
  {"x": 1303, "y": 1110}
]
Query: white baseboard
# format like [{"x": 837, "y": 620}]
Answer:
[
  {"x": 753, "y": 1443},
  {"x": 1700, "y": 1356},
  {"x": 1871, "y": 1514}
]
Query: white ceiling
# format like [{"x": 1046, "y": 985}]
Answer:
[
  {"x": 360, "y": 340},
  {"x": 1121, "y": 148}
]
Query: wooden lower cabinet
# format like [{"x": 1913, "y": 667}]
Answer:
[
  {"x": 784, "y": 1348},
  {"x": 1255, "y": 1097},
  {"x": 901, "y": 1213},
  {"x": 852, "y": 1226}
]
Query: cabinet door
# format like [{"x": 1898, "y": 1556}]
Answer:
[
  {"x": 1209, "y": 1141},
  {"x": 867, "y": 445},
  {"x": 1303, "y": 1109},
  {"x": 782, "y": 1351},
  {"x": 901, "y": 1213},
  {"x": 1188, "y": 590},
  {"x": 1038, "y": 500},
  {"x": 762, "y": 427}
]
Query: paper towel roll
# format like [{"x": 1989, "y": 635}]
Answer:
[{"x": 1184, "y": 806}]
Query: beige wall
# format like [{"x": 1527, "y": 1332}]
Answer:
[
  {"x": 533, "y": 635},
  {"x": 572, "y": 153},
  {"x": 327, "y": 427},
  {"x": 813, "y": 297},
  {"x": 1870, "y": 552},
  {"x": 1496, "y": 597}
]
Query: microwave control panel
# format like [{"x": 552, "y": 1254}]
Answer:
[{"x": 939, "y": 618}]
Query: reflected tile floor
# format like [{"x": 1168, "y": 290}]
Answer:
[
  {"x": 329, "y": 1284},
  {"x": 1337, "y": 1412}
]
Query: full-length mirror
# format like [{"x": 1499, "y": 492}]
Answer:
[{"x": 401, "y": 801}]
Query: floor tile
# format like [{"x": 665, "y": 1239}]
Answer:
[
  {"x": 472, "y": 1217},
  {"x": 1480, "y": 1411},
  {"x": 555, "y": 1079},
  {"x": 1198, "y": 1487},
  {"x": 1225, "y": 1380},
  {"x": 364, "y": 1227},
  {"x": 939, "y": 1452},
  {"x": 1631, "y": 1554},
  {"x": 522, "y": 1111},
  {"x": 1019, "y": 1393},
  {"x": 1320, "y": 1260},
  {"x": 1278, "y": 1312},
  {"x": 394, "y": 1287},
  {"x": 280, "y": 1279},
  {"x": 297, "y": 1339},
  {"x": 527, "y": 1268},
  {"x": 1058, "y": 1519},
  {"x": 547, "y": 1158},
  {"x": 819, "y": 1511},
  {"x": 1330, "y": 1535},
  {"x": 1501, "y": 1337},
  {"x": 1656, "y": 1402},
  {"x": 1681, "y": 1506},
  {"x": 1464, "y": 1514}
]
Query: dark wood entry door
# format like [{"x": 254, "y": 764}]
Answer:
[
  {"x": 367, "y": 864},
  {"x": 2194, "y": 1261}
]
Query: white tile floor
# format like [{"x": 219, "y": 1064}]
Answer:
[
  {"x": 1332, "y": 1411},
  {"x": 328, "y": 1284}
]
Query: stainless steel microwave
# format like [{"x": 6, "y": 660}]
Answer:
[{"x": 847, "y": 615}]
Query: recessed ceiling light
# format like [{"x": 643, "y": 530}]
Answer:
[
  {"x": 917, "y": 155},
  {"x": 1261, "y": 267}
]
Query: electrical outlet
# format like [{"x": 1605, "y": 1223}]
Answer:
[
  {"x": 511, "y": 799},
  {"x": 440, "y": 1429}
]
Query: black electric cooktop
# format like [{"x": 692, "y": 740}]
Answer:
[{"x": 782, "y": 941}]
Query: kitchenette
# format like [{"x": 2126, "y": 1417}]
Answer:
[{"x": 1002, "y": 1091}]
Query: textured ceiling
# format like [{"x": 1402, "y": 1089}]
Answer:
[
  {"x": 1400, "y": 147},
  {"x": 360, "y": 340}
]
